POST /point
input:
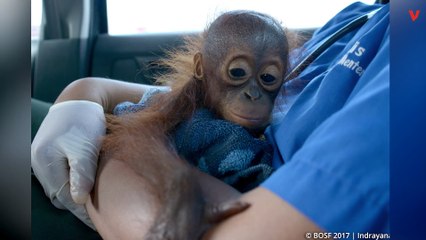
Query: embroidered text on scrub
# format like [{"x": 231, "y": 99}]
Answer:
[{"x": 350, "y": 63}]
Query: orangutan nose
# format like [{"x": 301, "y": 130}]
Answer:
[{"x": 253, "y": 93}]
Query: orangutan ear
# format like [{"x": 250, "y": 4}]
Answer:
[
  {"x": 198, "y": 66},
  {"x": 218, "y": 213}
]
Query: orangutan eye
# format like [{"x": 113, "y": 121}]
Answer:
[
  {"x": 239, "y": 69},
  {"x": 268, "y": 79},
  {"x": 270, "y": 75},
  {"x": 237, "y": 73}
]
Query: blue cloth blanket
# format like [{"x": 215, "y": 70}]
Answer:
[{"x": 218, "y": 147}]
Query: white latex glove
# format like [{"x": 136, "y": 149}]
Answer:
[{"x": 64, "y": 154}]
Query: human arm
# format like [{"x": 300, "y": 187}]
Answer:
[
  {"x": 127, "y": 211},
  {"x": 121, "y": 207},
  {"x": 269, "y": 217},
  {"x": 106, "y": 92},
  {"x": 65, "y": 150}
]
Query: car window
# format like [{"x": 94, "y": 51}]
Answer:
[
  {"x": 36, "y": 16},
  {"x": 141, "y": 17}
]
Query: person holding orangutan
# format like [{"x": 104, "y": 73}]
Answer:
[{"x": 159, "y": 176}]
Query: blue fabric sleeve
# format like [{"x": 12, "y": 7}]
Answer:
[{"x": 334, "y": 139}]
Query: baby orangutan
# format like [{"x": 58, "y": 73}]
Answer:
[{"x": 233, "y": 71}]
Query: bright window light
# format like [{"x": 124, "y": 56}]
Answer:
[
  {"x": 139, "y": 17},
  {"x": 36, "y": 13}
]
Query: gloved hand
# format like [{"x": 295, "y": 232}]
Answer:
[{"x": 64, "y": 154}]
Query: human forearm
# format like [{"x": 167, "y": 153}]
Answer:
[
  {"x": 269, "y": 218},
  {"x": 106, "y": 92},
  {"x": 120, "y": 207}
]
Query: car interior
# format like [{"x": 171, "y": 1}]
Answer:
[{"x": 74, "y": 43}]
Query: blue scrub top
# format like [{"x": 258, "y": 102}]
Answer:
[{"x": 333, "y": 136}]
